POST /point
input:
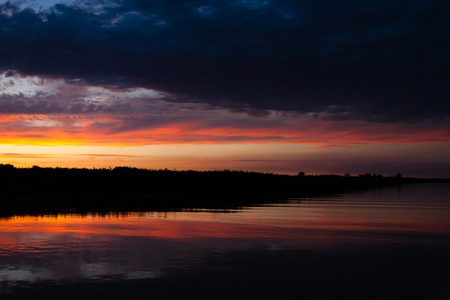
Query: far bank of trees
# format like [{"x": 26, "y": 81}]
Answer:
[{"x": 126, "y": 188}]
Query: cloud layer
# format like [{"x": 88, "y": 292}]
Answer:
[{"x": 381, "y": 61}]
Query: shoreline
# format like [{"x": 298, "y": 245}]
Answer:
[{"x": 53, "y": 190}]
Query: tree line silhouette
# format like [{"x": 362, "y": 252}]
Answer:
[{"x": 36, "y": 189}]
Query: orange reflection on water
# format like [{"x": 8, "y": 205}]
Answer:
[
  {"x": 179, "y": 225},
  {"x": 312, "y": 221}
]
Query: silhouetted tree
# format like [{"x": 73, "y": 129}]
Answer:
[{"x": 6, "y": 167}]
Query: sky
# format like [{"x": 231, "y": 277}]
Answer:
[{"x": 319, "y": 86}]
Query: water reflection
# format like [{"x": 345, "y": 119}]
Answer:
[{"x": 153, "y": 244}]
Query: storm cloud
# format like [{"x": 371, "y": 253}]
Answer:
[{"x": 380, "y": 61}]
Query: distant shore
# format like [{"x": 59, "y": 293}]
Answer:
[{"x": 51, "y": 190}]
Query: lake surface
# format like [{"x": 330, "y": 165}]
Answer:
[{"x": 387, "y": 243}]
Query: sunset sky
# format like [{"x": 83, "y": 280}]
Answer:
[{"x": 320, "y": 86}]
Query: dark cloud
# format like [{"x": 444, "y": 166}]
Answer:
[
  {"x": 9, "y": 73},
  {"x": 382, "y": 61}
]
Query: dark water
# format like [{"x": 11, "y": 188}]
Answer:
[{"x": 382, "y": 244}]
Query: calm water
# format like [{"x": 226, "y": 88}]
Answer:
[{"x": 380, "y": 244}]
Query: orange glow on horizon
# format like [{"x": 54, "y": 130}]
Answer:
[
  {"x": 275, "y": 144},
  {"x": 63, "y": 130}
]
